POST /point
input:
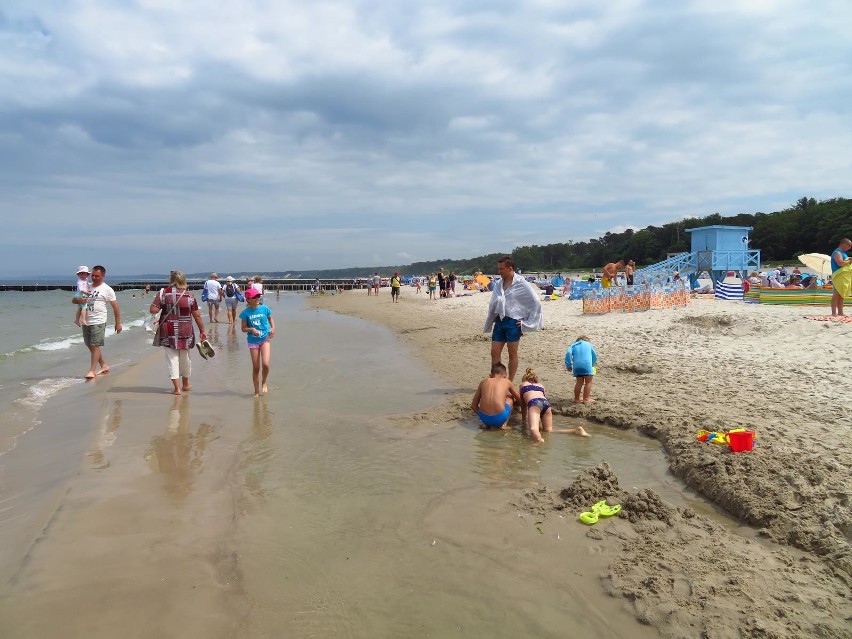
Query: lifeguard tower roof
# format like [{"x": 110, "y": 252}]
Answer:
[{"x": 719, "y": 238}]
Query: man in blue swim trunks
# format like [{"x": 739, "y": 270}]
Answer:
[
  {"x": 493, "y": 400},
  {"x": 514, "y": 309}
]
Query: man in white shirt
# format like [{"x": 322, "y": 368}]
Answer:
[
  {"x": 94, "y": 332},
  {"x": 514, "y": 309},
  {"x": 214, "y": 296}
]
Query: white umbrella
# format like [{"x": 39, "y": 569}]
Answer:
[{"x": 818, "y": 262}]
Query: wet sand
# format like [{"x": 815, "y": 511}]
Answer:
[{"x": 668, "y": 374}]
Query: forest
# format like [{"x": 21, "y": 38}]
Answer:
[{"x": 809, "y": 226}]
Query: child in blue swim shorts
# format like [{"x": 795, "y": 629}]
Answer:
[{"x": 493, "y": 400}]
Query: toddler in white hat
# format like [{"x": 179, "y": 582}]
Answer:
[{"x": 83, "y": 290}]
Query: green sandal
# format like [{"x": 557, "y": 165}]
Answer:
[
  {"x": 605, "y": 510},
  {"x": 600, "y": 509}
]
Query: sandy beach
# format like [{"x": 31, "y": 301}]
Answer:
[{"x": 786, "y": 571}]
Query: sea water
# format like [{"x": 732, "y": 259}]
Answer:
[{"x": 42, "y": 352}]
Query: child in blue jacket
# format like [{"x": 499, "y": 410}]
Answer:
[{"x": 580, "y": 360}]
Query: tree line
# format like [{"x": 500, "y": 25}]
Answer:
[{"x": 809, "y": 226}]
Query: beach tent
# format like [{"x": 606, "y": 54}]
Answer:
[
  {"x": 558, "y": 281},
  {"x": 578, "y": 288}
]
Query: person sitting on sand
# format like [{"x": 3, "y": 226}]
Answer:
[
  {"x": 535, "y": 405},
  {"x": 580, "y": 360},
  {"x": 493, "y": 400}
]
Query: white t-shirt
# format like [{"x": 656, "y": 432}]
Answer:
[
  {"x": 214, "y": 290},
  {"x": 83, "y": 285},
  {"x": 96, "y": 304}
]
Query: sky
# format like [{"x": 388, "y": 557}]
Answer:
[{"x": 274, "y": 135}]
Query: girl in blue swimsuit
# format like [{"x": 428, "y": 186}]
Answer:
[{"x": 536, "y": 406}]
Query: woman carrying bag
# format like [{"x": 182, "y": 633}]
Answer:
[
  {"x": 233, "y": 295},
  {"x": 176, "y": 334}
]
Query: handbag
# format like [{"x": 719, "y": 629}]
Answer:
[
  {"x": 204, "y": 294},
  {"x": 163, "y": 315},
  {"x": 238, "y": 294}
]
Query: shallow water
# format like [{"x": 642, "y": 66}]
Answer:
[{"x": 308, "y": 512}]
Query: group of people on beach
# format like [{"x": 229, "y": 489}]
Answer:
[
  {"x": 177, "y": 310},
  {"x": 514, "y": 309}
]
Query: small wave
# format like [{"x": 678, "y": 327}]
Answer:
[
  {"x": 41, "y": 391},
  {"x": 55, "y": 344}
]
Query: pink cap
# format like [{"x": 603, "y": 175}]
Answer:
[{"x": 252, "y": 293}]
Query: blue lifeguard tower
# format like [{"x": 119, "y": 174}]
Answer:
[{"x": 716, "y": 249}]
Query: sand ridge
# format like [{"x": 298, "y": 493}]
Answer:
[{"x": 712, "y": 365}]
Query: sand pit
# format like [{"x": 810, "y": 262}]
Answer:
[{"x": 716, "y": 366}]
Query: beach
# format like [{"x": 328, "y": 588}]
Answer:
[
  {"x": 784, "y": 569},
  {"x": 359, "y": 497}
]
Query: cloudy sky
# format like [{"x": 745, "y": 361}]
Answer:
[{"x": 276, "y": 135}]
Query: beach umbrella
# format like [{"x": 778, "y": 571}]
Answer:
[
  {"x": 483, "y": 279},
  {"x": 819, "y": 262}
]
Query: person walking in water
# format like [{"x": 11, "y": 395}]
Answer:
[
  {"x": 94, "y": 332},
  {"x": 259, "y": 327}
]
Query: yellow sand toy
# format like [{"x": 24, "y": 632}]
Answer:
[{"x": 600, "y": 509}]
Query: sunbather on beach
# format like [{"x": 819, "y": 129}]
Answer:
[
  {"x": 536, "y": 409},
  {"x": 493, "y": 400}
]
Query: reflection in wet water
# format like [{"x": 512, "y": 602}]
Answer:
[
  {"x": 106, "y": 437},
  {"x": 502, "y": 456},
  {"x": 178, "y": 453},
  {"x": 258, "y": 449}
]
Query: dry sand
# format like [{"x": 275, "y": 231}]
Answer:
[{"x": 714, "y": 366}]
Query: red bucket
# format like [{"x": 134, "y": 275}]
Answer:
[{"x": 741, "y": 441}]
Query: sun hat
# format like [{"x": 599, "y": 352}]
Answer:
[
  {"x": 252, "y": 293},
  {"x": 229, "y": 279},
  {"x": 83, "y": 269}
]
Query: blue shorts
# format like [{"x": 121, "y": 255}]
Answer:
[
  {"x": 506, "y": 330},
  {"x": 495, "y": 421}
]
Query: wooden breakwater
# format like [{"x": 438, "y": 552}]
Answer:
[{"x": 270, "y": 285}]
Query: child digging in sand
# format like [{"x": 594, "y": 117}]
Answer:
[
  {"x": 536, "y": 407},
  {"x": 580, "y": 360},
  {"x": 494, "y": 397},
  {"x": 259, "y": 327}
]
